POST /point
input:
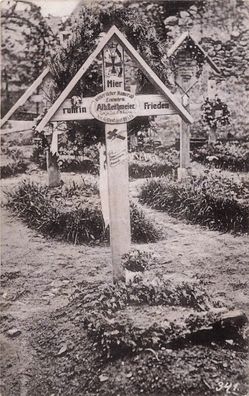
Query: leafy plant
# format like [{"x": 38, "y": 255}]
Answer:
[
  {"x": 136, "y": 261},
  {"x": 23, "y": 26}
]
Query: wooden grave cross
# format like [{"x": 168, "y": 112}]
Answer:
[
  {"x": 186, "y": 79},
  {"x": 115, "y": 107}
]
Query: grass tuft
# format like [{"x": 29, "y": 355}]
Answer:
[
  {"x": 211, "y": 201},
  {"x": 71, "y": 213}
]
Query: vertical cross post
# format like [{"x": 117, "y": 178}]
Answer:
[
  {"x": 118, "y": 188},
  {"x": 117, "y": 164},
  {"x": 212, "y": 136},
  {"x": 184, "y": 170}
]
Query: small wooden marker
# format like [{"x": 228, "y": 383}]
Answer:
[
  {"x": 54, "y": 177},
  {"x": 52, "y": 169},
  {"x": 184, "y": 170}
]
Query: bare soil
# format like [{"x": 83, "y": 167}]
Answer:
[{"x": 44, "y": 347}]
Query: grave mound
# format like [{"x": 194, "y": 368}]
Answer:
[{"x": 156, "y": 314}]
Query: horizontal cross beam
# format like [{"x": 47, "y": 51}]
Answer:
[{"x": 147, "y": 105}]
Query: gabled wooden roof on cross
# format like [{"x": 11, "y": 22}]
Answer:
[
  {"x": 180, "y": 41},
  {"x": 152, "y": 77}
]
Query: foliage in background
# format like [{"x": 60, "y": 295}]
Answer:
[
  {"x": 222, "y": 29},
  {"x": 141, "y": 165},
  {"x": 13, "y": 153},
  {"x": 210, "y": 200},
  {"x": 71, "y": 213},
  {"x": 228, "y": 156},
  {"x": 15, "y": 162},
  {"x": 67, "y": 164},
  {"x": 140, "y": 169},
  {"x": 28, "y": 42}
]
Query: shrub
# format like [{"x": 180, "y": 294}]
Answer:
[
  {"x": 212, "y": 201},
  {"x": 13, "y": 169},
  {"x": 228, "y": 156},
  {"x": 68, "y": 213}
]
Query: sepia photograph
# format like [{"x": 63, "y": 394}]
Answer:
[{"x": 124, "y": 198}]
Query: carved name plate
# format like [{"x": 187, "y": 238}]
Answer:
[{"x": 114, "y": 107}]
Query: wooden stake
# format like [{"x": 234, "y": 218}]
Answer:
[
  {"x": 184, "y": 145},
  {"x": 53, "y": 169},
  {"x": 212, "y": 137},
  {"x": 184, "y": 170}
]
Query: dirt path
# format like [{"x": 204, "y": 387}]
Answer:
[
  {"x": 221, "y": 260},
  {"x": 39, "y": 275}
]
